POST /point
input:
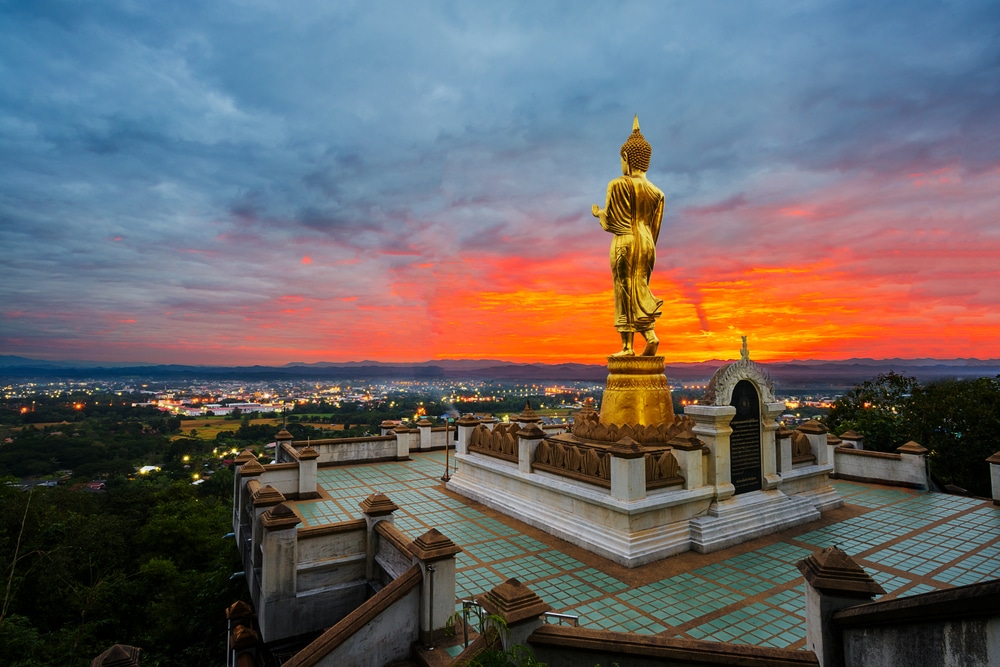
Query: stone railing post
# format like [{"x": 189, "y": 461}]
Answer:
[
  {"x": 712, "y": 428},
  {"x": 784, "y": 439},
  {"x": 242, "y": 636},
  {"x": 280, "y": 440},
  {"x": 994, "y": 462},
  {"x": 264, "y": 499},
  {"x": 376, "y": 507},
  {"x": 687, "y": 450},
  {"x": 833, "y": 581},
  {"x": 852, "y": 439},
  {"x": 768, "y": 455},
  {"x": 832, "y": 443},
  {"x": 466, "y": 425},
  {"x": 519, "y": 607},
  {"x": 435, "y": 554},
  {"x": 240, "y": 492},
  {"x": 527, "y": 441},
  {"x": 914, "y": 456},
  {"x": 279, "y": 563},
  {"x": 308, "y": 460},
  {"x": 816, "y": 433},
  {"x": 628, "y": 470},
  {"x": 425, "y": 434},
  {"x": 387, "y": 427},
  {"x": 403, "y": 441}
]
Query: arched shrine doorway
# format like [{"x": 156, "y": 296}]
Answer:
[{"x": 744, "y": 443}]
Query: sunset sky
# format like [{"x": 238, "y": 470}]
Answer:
[{"x": 260, "y": 183}]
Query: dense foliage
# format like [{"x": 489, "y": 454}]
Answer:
[
  {"x": 957, "y": 420},
  {"x": 86, "y": 434},
  {"x": 142, "y": 563}
]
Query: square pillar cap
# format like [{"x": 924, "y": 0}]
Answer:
[
  {"x": 528, "y": 414},
  {"x": 833, "y": 572},
  {"x": 251, "y": 468},
  {"x": 119, "y": 655},
  {"x": 467, "y": 420},
  {"x": 833, "y": 440},
  {"x": 308, "y": 454},
  {"x": 784, "y": 432},
  {"x": 244, "y": 457},
  {"x": 851, "y": 435},
  {"x": 377, "y": 504},
  {"x": 627, "y": 448},
  {"x": 432, "y": 546},
  {"x": 513, "y": 602},
  {"x": 267, "y": 496},
  {"x": 912, "y": 448},
  {"x": 238, "y": 611},
  {"x": 243, "y": 638},
  {"x": 424, "y": 422},
  {"x": 531, "y": 432},
  {"x": 284, "y": 436},
  {"x": 280, "y": 518},
  {"x": 686, "y": 441},
  {"x": 812, "y": 427},
  {"x": 994, "y": 459}
]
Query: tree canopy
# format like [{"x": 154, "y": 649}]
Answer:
[
  {"x": 957, "y": 420},
  {"x": 142, "y": 564}
]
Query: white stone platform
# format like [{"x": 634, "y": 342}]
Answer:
[
  {"x": 747, "y": 516},
  {"x": 630, "y": 533}
]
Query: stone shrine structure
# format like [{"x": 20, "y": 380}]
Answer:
[{"x": 636, "y": 483}]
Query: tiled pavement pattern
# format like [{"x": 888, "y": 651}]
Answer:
[{"x": 910, "y": 542}]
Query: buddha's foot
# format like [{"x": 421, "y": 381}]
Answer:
[
  {"x": 650, "y": 349},
  {"x": 624, "y": 353}
]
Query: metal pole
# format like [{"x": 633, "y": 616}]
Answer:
[
  {"x": 430, "y": 610},
  {"x": 447, "y": 446}
]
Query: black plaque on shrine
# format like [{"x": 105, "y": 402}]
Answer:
[{"x": 744, "y": 443}]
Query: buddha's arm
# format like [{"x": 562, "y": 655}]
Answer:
[
  {"x": 657, "y": 219},
  {"x": 602, "y": 213}
]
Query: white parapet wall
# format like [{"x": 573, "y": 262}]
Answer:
[
  {"x": 905, "y": 467},
  {"x": 630, "y": 533},
  {"x": 353, "y": 450}
]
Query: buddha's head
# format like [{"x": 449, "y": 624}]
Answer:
[{"x": 636, "y": 151}]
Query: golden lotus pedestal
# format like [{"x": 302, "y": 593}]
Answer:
[{"x": 636, "y": 392}]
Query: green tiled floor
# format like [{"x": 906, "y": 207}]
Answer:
[{"x": 909, "y": 542}]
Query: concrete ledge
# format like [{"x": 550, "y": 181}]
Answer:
[
  {"x": 357, "y": 620},
  {"x": 629, "y": 533},
  {"x": 332, "y": 528},
  {"x": 563, "y": 645},
  {"x": 879, "y": 480},
  {"x": 971, "y": 601},
  {"x": 747, "y": 516}
]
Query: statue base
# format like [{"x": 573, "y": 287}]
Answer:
[{"x": 636, "y": 392}]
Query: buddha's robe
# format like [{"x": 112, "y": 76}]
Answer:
[{"x": 633, "y": 214}]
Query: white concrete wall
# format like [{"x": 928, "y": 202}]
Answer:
[
  {"x": 385, "y": 639},
  {"x": 880, "y": 467},
  {"x": 355, "y": 449},
  {"x": 284, "y": 479}
]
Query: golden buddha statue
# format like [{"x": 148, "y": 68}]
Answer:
[{"x": 633, "y": 213}]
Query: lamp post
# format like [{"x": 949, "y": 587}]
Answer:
[{"x": 447, "y": 445}]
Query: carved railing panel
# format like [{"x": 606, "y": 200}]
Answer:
[
  {"x": 587, "y": 426},
  {"x": 580, "y": 462},
  {"x": 801, "y": 451},
  {"x": 662, "y": 470},
  {"x": 499, "y": 443}
]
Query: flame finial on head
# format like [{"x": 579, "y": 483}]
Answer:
[{"x": 636, "y": 149}]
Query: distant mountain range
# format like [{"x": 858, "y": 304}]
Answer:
[{"x": 796, "y": 373}]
